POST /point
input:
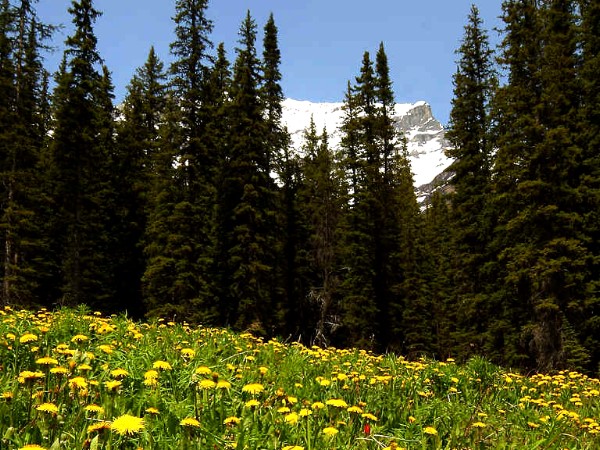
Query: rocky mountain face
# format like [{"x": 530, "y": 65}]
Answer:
[{"x": 425, "y": 135}]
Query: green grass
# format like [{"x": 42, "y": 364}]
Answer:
[{"x": 73, "y": 380}]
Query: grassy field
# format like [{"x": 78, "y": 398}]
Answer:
[{"x": 74, "y": 380}]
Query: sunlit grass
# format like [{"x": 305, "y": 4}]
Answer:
[{"x": 72, "y": 380}]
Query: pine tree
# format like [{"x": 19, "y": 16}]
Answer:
[
  {"x": 428, "y": 315},
  {"x": 360, "y": 303},
  {"x": 143, "y": 113},
  {"x": 399, "y": 210},
  {"x": 288, "y": 290},
  {"x": 81, "y": 171},
  {"x": 251, "y": 192},
  {"x": 516, "y": 132},
  {"x": 219, "y": 140},
  {"x": 319, "y": 200},
  {"x": 589, "y": 326},
  {"x": 537, "y": 166},
  {"x": 379, "y": 223},
  {"x": 179, "y": 268},
  {"x": 469, "y": 133},
  {"x": 21, "y": 79}
]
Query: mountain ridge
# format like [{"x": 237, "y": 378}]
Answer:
[{"x": 425, "y": 135}]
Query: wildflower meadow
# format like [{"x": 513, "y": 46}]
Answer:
[{"x": 71, "y": 379}]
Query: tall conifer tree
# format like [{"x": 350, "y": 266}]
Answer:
[
  {"x": 80, "y": 169},
  {"x": 539, "y": 237},
  {"x": 380, "y": 217},
  {"x": 470, "y": 136},
  {"x": 138, "y": 143},
  {"x": 251, "y": 192},
  {"x": 21, "y": 143},
  {"x": 319, "y": 200},
  {"x": 181, "y": 263},
  {"x": 589, "y": 327}
]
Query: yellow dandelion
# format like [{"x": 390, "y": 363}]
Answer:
[
  {"x": 305, "y": 412},
  {"x": 188, "y": 352},
  {"x": 222, "y": 384},
  {"x": 127, "y": 425},
  {"x": 253, "y": 388},
  {"x": 119, "y": 373},
  {"x": 28, "y": 375},
  {"x": 162, "y": 365},
  {"x": 263, "y": 370},
  {"x": 292, "y": 447},
  {"x": 59, "y": 370},
  {"x": 112, "y": 385},
  {"x": 430, "y": 430},
  {"x": 292, "y": 418},
  {"x": 479, "y": 425},
  {"x": 49, "y": 408},
  {"x": 190, "y": 422},
  {"x": 369, "y": 416},
  {"x": 151, "y": 382},
  {"x": 318, "y": 405},
  {"x": 206, "y": 384},
  {"x": 84, "y": 367},
  {"x": 46, "y": 361},
  {"x": 93, "y": 408},
  {"x": 152, "y": 410},
  {"x": 251, "y": 403},
  {"x": 7, "y": 395},
  {"x": 232, "y": 420},
  {"x": 79, "y": 338},
  {"x": 28, "y": 337},
  {"x": 337, "y": 402},
  {"x": 355, "y": 409},
  {"x": 330, "y": 431},
  {"x": 32, "y": 447},
  {"x": 108, "y": 349},
  {"x": 203, "y": 370}
]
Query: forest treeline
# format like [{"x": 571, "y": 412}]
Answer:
[{"x": 186, "y": 200}]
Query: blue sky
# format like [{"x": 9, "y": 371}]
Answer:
[{"x": 321, "y": 41}]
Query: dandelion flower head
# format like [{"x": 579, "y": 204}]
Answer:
[{"x": 127, "y": 425}]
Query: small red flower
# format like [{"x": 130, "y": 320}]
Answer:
[{"x": 367, "y": 428}]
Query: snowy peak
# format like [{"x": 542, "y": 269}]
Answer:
[{"x": 425, "y": 135}]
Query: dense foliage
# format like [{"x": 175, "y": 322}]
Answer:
[{"x": 186, "y": 201}]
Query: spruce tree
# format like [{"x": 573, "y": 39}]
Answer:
[
  {"x": 250, "y": 193},
  {"x": 143, "y": 114},
  {"x": 428, "y": 315},
  {"x": 81, "y": 170},
  {"x": 380, "y": 217},
  {"x": 360, "y": 307},
  {"x": 470, "y": 136},
  {"x": 517, "y": 130},
  {"x": 319, "y": 200},
  {"x": 589, "y": 326},
  {"x": 288, "y": 288},
  {"x": 181, "y": 263},
  {"x": 218, "y": 140},
  {"x": 400, "y": 211},
  {"x": 22, "y": 136},
  {"x": 538, "y": 234}
]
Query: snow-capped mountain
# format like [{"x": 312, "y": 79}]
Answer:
[{"x": 425, "y": 135}]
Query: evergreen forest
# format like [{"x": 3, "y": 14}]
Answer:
[{"x": 186, "y": 201}]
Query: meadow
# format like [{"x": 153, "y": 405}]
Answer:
[{"x": 71, "y": 379}]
